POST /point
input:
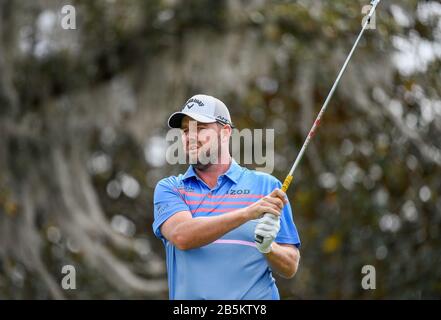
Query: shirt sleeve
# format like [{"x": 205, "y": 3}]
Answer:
[
  {"x": 288, "y": 231},
  {"x": 167, "y": 201}
]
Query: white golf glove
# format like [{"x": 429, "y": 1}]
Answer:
[{"x": 267, "y": 227}]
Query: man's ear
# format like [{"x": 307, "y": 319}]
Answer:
[{"x": 226, "y": 133}]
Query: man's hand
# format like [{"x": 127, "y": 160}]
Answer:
[
  {"x": 268, "y": 227},
  {"x": 272, "y": 203}
]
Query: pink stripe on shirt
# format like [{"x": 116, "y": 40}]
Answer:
[
  {"x": 219, "y": 202},
  {"x": 212, "y": 210},
  {"x": 241, "y": 242},
  {"x": 234, "y": 196}
]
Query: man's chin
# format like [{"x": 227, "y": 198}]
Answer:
[
  {"x": 201, "y": 162},
  {"x": 201, "y": 166}
]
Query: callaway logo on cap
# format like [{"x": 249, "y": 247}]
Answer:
[{"x": 202, "y": 108}]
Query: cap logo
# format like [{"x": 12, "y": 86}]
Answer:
[
  {"x": 193, "y": 101},
  {"x": 222, "y": 119}
]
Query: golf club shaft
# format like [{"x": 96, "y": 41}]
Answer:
[
  {"x": 290, "y": 176},
  {"x": 311, "y": 133}
]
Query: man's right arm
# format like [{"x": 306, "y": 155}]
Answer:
[{"x": 186, "y": 232}]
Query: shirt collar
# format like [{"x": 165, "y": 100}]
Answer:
[
  {"x": 233, "y": 172},
  {"x": 189, "y": 173}
]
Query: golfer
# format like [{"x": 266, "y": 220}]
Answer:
[{"x": 207, "y": 217}]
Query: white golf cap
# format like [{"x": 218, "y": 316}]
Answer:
[{"x": 202, "y": 108}]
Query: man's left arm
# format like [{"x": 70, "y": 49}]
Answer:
[
  {"x": 282, "y": 253},
  {"x": 283, "y": 259}
]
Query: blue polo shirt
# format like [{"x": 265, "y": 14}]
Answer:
[{"x": 230, "y": 267}]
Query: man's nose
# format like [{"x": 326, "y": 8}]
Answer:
[{"x": 192, "y": 140}]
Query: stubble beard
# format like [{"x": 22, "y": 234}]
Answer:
[{"x": 207, "y": 163}]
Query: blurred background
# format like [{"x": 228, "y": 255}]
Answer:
[{"x": 83, "y": 122}]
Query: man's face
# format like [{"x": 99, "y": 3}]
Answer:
[{"x": 202, "y": 142}]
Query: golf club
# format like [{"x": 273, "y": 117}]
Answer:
[{"x": 289, "y": 177}]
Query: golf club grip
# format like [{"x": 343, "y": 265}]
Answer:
[{"x": 287, "y": 182}]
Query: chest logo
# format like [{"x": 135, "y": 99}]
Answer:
[{"x": 239, "y": 191}]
